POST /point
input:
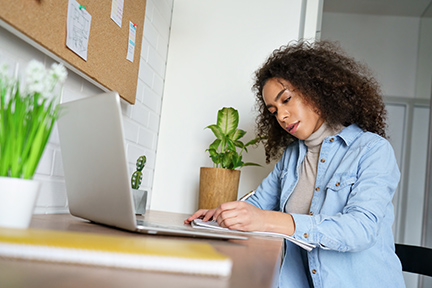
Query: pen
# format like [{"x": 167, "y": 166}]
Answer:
[{"x": 247, "y": 195}]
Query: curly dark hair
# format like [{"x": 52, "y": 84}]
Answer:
[{"x": 342, "y": 90}]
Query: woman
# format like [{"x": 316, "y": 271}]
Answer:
[{"x": 323, "y": 116}]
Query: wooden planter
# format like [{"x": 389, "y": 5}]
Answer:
[{"x": 217, "y": 185}]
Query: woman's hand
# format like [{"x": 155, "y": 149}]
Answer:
[
  {"x": 239, "y": 215},
  {"x": 205, "y": 214},
  {"x": 242, "y": 216},
  {"x": 235, "y": 215}
]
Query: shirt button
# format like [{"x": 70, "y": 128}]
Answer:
[
  {"x": 317, "y": 189},
  {"x": 331, "y": 139},
  {"x": 306, "y": 235},
  {"x": 314, "y": 271},
  {"x": 337, "y": 184},
  {"x": 322, "y": 160},
  {"x": 310, "y": 213}
]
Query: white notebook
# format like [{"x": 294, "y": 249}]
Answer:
[{"x": 198, "y": 223}]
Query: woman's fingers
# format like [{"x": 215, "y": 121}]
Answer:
[
  {"x": 206, "y": 214},
  {"x": 239, "y": 215},
  {"x": 197, "y": 214},
  {"x": 225, "y": 207},
  {"x": 209, "y": 215}
]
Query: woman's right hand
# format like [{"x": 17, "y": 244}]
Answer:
[{"x": 205, "y": 214}]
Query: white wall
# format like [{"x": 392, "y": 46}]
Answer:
[
  {"x": 141, "y": 121},
  {"x": 424, "y": 65},
  {"x": 215, "y": 47},
  {"x": 388, "y": 44}
]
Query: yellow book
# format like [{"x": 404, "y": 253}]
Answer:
[{"x": 144, "y": 253}]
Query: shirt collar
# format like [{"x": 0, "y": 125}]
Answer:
[{"x": 350, "y": 133}]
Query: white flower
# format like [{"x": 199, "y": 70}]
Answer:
[
  {"x": 58, "y": 72},
  {"x": 41, "y": 80},
  {"x": 35, "y": 72},
  {"x": 35, "y": 77},
  {"x": 38, "y": 80},
  {"x": 4, "y": 75}
]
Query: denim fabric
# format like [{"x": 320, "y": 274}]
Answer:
[{"x": 351, "y": 213}]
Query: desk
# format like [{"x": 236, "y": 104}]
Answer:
[{"x": 255, "y": 262}]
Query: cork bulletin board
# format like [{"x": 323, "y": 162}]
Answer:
[{"x": 44, "y": 22}]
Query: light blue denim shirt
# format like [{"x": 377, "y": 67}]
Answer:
[{"x": 351, "y": 213}]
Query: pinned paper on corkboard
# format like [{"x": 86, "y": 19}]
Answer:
[
  {"x": 44, "y": 25},
  {"x": 78, "y": 29}
]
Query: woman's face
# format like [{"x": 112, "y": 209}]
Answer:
[{"x": 290, "y": 109}]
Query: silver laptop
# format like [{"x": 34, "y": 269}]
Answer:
[{"x": 95, "y": 167}]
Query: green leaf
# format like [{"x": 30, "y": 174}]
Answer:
[
  {"x": 227, "y": 160},
  {"x": 26, "y": 124},
  {"x": 237, "y": 134},
  {"x": 212, "y": 152},
  {"x": 215, "y": 145},
  {"x": 136, "y": 179},
  {"x": 239, "y": 144},
  {"x": 223, "y": 150},
  {"x": 33, "y": 158},
  {"x": 252, "y": 142},
  {"x": 216, "y": 131},
  {"x": 216, "y": 158},
  {"x": 227, "y": 120},
  {"x": 237, "y": 161},
  {"x": 251, "y": 164},
  {"x": 230, "y": 145}
]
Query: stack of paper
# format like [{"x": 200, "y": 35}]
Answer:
[{"x": 198, "y": 223}]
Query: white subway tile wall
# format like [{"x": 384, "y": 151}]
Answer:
[{"x": 141, "y": 121}]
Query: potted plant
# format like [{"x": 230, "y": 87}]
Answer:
[
  {"x": 139, "y": 196},
  {"x": 219, "y": 183},
  {"x": 28, "y": 111}
]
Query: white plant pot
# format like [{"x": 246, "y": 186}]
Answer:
[{"x": 17, "y": 201}]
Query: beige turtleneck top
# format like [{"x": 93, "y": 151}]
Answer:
[{"x": 300, "y": 200}]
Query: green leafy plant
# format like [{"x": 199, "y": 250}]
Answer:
[
  {"x": 137, "y": 175},
  {"x": 27, "y": 116},
  {"x": 223, "y": 151}
]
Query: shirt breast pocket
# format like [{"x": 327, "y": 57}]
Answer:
[{"x": 338, "y": 191}]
